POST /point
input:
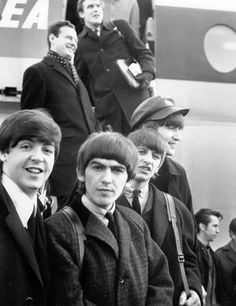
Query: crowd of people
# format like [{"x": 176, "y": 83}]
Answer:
[{"x": 124, "y": 232}]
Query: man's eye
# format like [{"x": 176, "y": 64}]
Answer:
[
  {"x": 25, "y": 146},
  {"x": 141, "y": 152},
  {"x": 171, "y": 127},
  {"x": 156, "y": 156},
  {"x": 49, "y": 150},
  {"x": 97, "y": 167}
]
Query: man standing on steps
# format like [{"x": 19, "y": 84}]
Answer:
[{"x": 55, "y": 85}]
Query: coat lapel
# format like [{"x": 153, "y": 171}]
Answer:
[
  {"x": 160, "y": 217},
  {"x": 22, "y": 239},
  {"x": 124, "y": 241},
  {"x": 81, "y": 90},
  {"x": 96, "y": 228},
  {"x": 59, "y": 68}
]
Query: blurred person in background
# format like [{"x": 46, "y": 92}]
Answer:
[
  {"x": 227, "y": 262},
  {"x": 207, "y": 225},
  {"x": 123, "y": 9}
]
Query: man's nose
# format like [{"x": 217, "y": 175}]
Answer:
[
  {"x": 177, "y": 134},
  {"x": 107, "y": 176},
  {"x": 147, "y": 157},
  {"x": 36, "y": 154}
]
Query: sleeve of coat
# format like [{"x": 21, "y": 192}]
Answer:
[
  {"x": 33, "y": 89},
  {"x": 136, "y": 47},
  {"x": 160, "y": 289},
  {"x": 64, "y": 263}
]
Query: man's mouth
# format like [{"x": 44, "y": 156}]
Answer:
[
  {"x": 145, "y": 168},
  {"x": 34, "y": 170},
  {"x": 72, "y": 49},
  {"x": 105, "y": 190}
]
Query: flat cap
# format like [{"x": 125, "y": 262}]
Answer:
[{"x": 155, "y": 108}]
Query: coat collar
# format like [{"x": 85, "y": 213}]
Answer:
[
  {"x": 160, "y": 220},
  {"x": 105, "y": 25},
  {"x": 172, "y": 166},
  {"x": 228, "y": 252},
  {"x": 59, "y": 68}
]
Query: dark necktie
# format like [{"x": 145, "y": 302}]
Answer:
[
  {"x": 111, "y": 223},
  {"x": 31, "y": 226},
  {"x": 135, "y": 203}
]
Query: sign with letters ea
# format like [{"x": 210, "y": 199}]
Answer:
[{"x": 23, "y": 26}]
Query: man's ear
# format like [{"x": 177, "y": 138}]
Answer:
[
  {"x": 202, "y": 227},
  {"x": 51, "y": 38},
  {"x": 3, "y": 156},
  {"x": 81, "y": 177},
  {"x": 81, "y": 15}
]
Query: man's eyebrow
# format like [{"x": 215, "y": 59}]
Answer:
[
  {"x": 121, "y": 167},
  {"x": 94, "y": 162}
]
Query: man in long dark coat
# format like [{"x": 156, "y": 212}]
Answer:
[
  {"x": 54, "y": 84},
  {"x": 100, "y": 45}
]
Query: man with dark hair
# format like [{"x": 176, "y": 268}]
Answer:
[
  {"x": 227, "y": 263},
  {"x": 152, "y": 206},
  {"x": 29, "y": 145},
  {"x": 54, "y": 84},
  {"x": 100, "y": 45},
  {"x": 122, "y": 265},
  {"x": 161, "y": 114},
  {"x": 207, "y": 226}
]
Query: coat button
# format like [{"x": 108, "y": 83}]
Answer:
[{"x": 29, "y": 301}]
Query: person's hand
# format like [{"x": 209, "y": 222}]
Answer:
[
  {"x": 193, "y": 300},
  {"x": 144, "y": 79}
]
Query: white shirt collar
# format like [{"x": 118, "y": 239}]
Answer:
[
  {"x": 129, "y": 191},
  {"x": 23, "y": 204},
  {"x": 96, "y": 210},
  {"x": 143, "y": 196}
]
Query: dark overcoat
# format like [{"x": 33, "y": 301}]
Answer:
[
  {"x": 130, "y": 271},
  {"x": 156, "y": 217},
  {"x": 205, "y": 265},
  {"x": 48, "y": 85},
  {"x": 226, "y": 259},
  {"x": 96, "y": 58},
  {"x": 23, "y": 270},
  {"x": 172, "y": 179}
]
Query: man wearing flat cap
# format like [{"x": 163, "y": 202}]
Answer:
[{"x": 161, "y": 114}]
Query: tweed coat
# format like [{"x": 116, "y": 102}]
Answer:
[
  {"x": 48, "y": 85},
  {"x": 226, "y": 258},
  {"x": 174, "y": 175},
  {"x": 155, "y": 215},
  {"x": 131, "y": 272},
  {"x": 23, "y": 271},
  {"x": 95, "y": 60}
]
